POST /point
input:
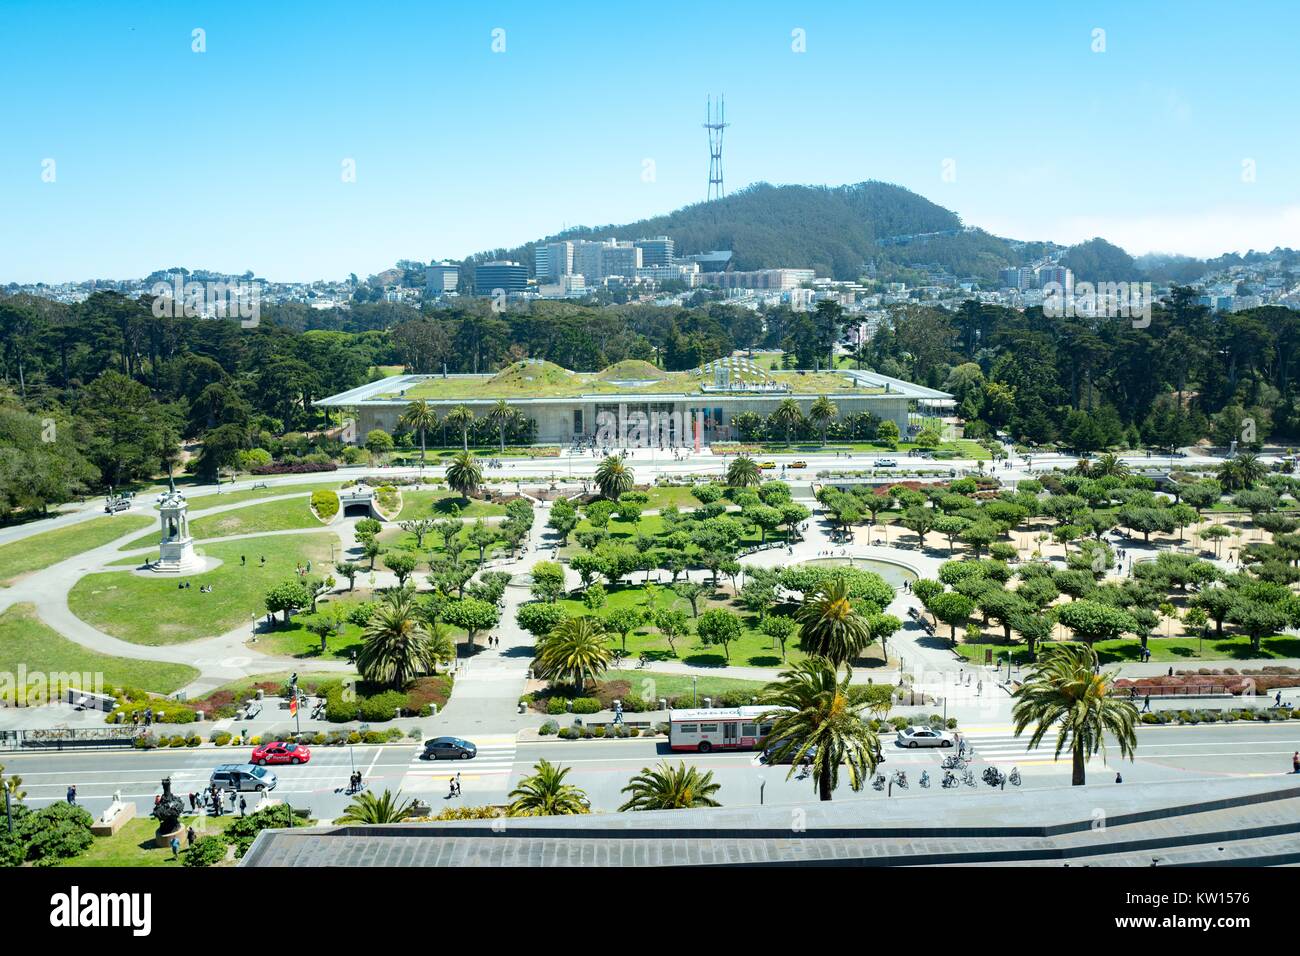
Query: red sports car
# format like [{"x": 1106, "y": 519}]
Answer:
[{"x": 281, "y": 753}]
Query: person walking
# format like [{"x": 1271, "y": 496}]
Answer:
[
  {"x": 72, "y": 794},
  {"x": 1146, "y": 704},
  {"x": 190, "y": 836},
  {"x": 1119, "y": 778},
  {"x": 194, "y": 801},
  {"x": 176, "y": 848},
  {"x": 1295, "y": 762}
]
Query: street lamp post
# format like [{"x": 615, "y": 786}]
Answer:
[
  {"x": 694, "y": 697},
  {"x": 762, "y": 785}
]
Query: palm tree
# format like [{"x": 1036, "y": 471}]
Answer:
[
  {"x": 575, "y": 652},
  {"x": 368, "y": 808},
  {"x": 613, "y": 477},
  {"x": 787, "y": 416},
  {"x": 813, "y": 719},
  {"x": 545, "y": 794},
  {"x": 822, "y": 413},
  {"x": 1243, "y": 471},
  {"x": 742, "y": 472},
  {"x": 419, "y": 417},
  {"x": 397, "y": 645},
  {"x": 1067, "y": 691},
  {"x": 461, "y": 417},
  {"x": 1108, "y": 465},
  {"x": 830, "y": 626},
  {"x": 671, "y": 788},
  {"x": 464, "y": 474},
  {"x": 502, "y": 415}
]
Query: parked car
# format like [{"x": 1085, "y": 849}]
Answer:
[
  {"x": 243, "y": 776},
  {"x": 448, "y": 748},
  {"x": 764, "y": 465},
  {"x": 277, "y": 752},
  {"x": 923, "y": 737}
]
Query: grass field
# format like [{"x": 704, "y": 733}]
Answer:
[
  {"x": 133, "y": 844},
  {"x": 287, "y": 515},
  {"x": 1230, "y": 647},
  {"x": 152, "y": 610},
  {"x": 440, "y": 504},
  {"x": 50, "y": 547},
  {"x": 651, "y": 686},
  {"x": 27, "y": 641}
]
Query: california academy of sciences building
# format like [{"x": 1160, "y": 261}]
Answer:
[{"x": 572, "y": 406}]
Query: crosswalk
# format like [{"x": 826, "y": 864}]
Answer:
[{"x": 492, "y": 765}]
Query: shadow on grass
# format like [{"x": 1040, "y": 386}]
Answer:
[{"x": 706, "y": 660}]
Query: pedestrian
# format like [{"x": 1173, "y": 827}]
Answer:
[
  {"x": 1277, "y": 701},
  {"x": 72, "y": 794},
  {"x": 193, "y": 802},
  {"x": 233, "y": 794},
  {"x": 243, "y": 560},
  {"x": 176, "y": 848},
  {"x": 243, "y": 807},
  {"x": 1119, "y": 778},
  {"x": 190, "y": 836},
  {"x": 1295, "y": 762},
  {"x": 1146, "y": 703},
  {"x": 1171, "y": 672}
]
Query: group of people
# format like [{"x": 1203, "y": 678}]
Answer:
[
  {"x": 146, "y": 717},
  {"x": 186, "y": 585},
  {"x": 453, "y": 787},
  {"x": 211, "y": 800},
  {"x": 355, "y": 782}
]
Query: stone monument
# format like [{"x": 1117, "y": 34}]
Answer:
[{"x": 176, "y": 548}]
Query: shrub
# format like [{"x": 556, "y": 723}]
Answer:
[
  {"x": 952, "y": 723},
  {"x": 567, "y": 733},
  {"x": 145, "y": 742},
  {"x": 415, "y": 733},
  {"x": 586, "y": 705},
  {"x": 205, "y": 851},
  {"x": 549, "y": 728},
  {"x": 556, "y": 705},
  {"x": 1149, "y": 718},
  {"x": 633, "y": 732},
  {"x": 325, "y": 504},
  {"x": 599, "y": 731},
  {"x": 219, "y": 737},
  {"x": 57, "y": 832}
]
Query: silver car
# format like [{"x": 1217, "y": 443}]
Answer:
[{"x": 923, "y": 737}]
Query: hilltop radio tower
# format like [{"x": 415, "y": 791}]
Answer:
[{"x": 715, "y": 124}]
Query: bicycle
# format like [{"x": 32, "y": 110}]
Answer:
[
  {"x": 949, "y": 780},
  {"x": 925, "y": 779},
  {"x": 955, "y": 762},
  {"x": 968, "y": 777},
  {"x": 994, "y": 777},
  {"x": 1013, "y": 777},
  {"x": 900, "y": 779},
  {"x": 878, "y": 782}
]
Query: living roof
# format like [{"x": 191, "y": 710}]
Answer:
[{"x": 531, "y": 379}]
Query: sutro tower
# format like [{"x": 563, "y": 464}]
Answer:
[{"x": 715, "y": 124}]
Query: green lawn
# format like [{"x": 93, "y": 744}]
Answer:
[
  {"x": 152, "y": 610},
  {"x": 1230, "y": 647},
  {"x": 290, "y": 514},
  {"x": 395, "y": 537},
  {"x": 439, "y": 504},
  {"x": 661, "y": 496},
  {"x": 133, "y": 844},
  {"x": 254, "y": 494},
  {"x": 27, "y": 641},
  {"x": 50, "y": 547}
]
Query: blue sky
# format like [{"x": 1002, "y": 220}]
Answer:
[{"x": 231, "y": 159}]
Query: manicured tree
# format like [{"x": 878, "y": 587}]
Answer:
[
  {"x": 594, "y": 596},
  {"x": 952, "y": 609},
  {"x": 1035, "y": 627},
  {"x": 1216, "y": 533},
  {"x": 829, "y": 625},
  {"x": 813, "y": 716},
  {"x": 461, "y": 418},
  {"x": 671, "y": 788},
  {"x": 419, "y": 417},
  {"x": 950, "y": 526},
  {"x": 766, "y": 519},
  {"x": 719, "y": 627},
  {"x": 1065, "y": 694},
  {"x": 692, "y": 591},
  {"x": 545, "y": 794},
  {"x": 883, "y": 627},
  {"x": 1217, "y": 603},
  {"x": 576, "y": 652},
  {"x": 920, "y": 521},
  {"x": 472, "y": 615},
  {"x": 672, "y": 624},
  {"x": 368, "y": 528},
  {"x": 614, "y": 477},
  {"x": 1146, "y": 520},
  {"x": 780, "y": 628},
  {"x": 548, "y": 581},
  {"x": 464, "y": 474},
  {"x": 324, "y": 625},
  {"x": 743, "y": 472},
  {"x": 370, "y": 550},
  {"x": 349, "y": 570},
  {"x": 623, "y": 621},
  {"x": 793, "y": 514},
  {"x": 887, "y": 433},
  {"x": 822, "y": 413},
  {"x": 402, "y": 563},
  {"x": 379, "y": 442},
  {"x": 1201, "y": 494},
  {"x": 419, "y": 528},
  {"x": 539, "y": 618},
  {"x": 1092, "y": 621},
  {"x": 563, "y": 519},
  {"x": 1258, "y": 619},
  {"x": 398, "y": 645},
  {"x": 287, "y": 596},
  {"x": 481, "y": 536}
]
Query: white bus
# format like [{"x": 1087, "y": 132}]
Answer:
[{"x": 702, "y": 729}]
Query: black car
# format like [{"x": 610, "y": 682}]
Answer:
[
  {"x": 448, "y": 748},
  {"x": 770, "y": 754}
]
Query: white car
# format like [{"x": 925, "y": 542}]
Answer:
[
  {"x": 885, "y": 463},
  {"x": 923, "y": 737}
]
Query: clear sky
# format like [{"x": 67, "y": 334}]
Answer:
[{"x": 232, "y": 158}]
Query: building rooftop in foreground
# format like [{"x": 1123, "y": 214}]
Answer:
[
  {"x": 536, "y": 380},
  {"x": 1227, "y": 822}
]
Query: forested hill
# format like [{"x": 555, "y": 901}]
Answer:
[{"x": 831, "y": 229}]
